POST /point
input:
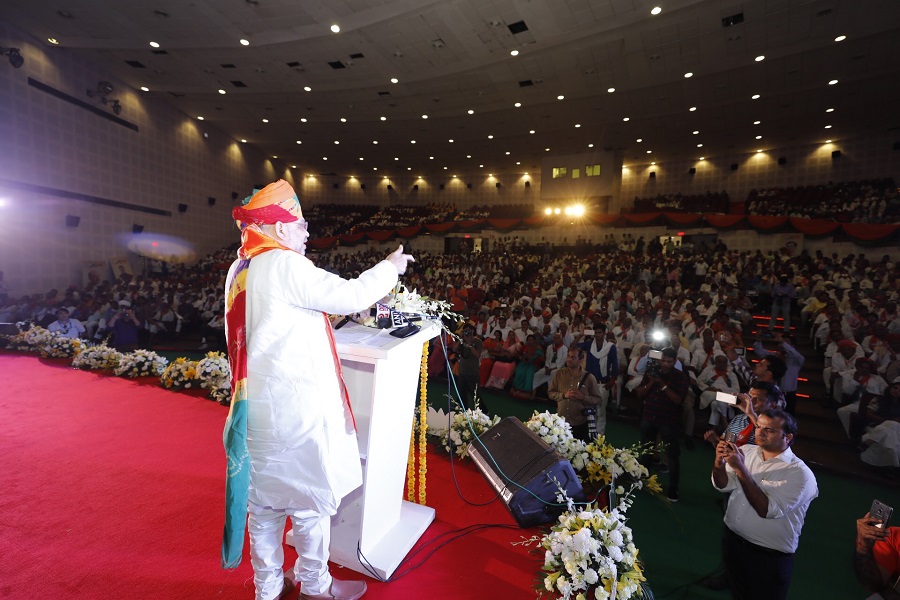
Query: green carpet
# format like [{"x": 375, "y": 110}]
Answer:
[{"x": 680, "y": 543}]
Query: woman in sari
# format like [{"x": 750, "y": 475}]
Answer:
[
  {"x": 504, "y": 361},
  {"x": 491, "y": 346},
  {"x": 531, "y": 357}
]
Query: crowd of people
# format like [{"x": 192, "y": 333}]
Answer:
[
  {"x": 874, "y": 201},
  {"x": 708, "y": 203}
]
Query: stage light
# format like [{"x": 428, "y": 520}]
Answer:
[{"x": 548, "y": 211}]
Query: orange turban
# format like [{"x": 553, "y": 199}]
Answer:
[{"x": 276, "y": 202}]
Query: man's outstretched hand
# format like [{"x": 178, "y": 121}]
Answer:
[{"x": 400, "y": 260}]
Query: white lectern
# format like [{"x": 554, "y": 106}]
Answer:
[{"x": 374, "y": 524}]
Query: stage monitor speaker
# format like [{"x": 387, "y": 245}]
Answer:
[
  {"x": 390, "y": 187},
  {"x": 72, "y": 221},
  {"x": 416, "y": 186},
  {"x": 782, "y": 160},
  {"x": 521, "y": 467},
  {"x": 498, "y": 185},
  {"x": 135, "y": 228},
  {"x": 182, "y": 208},
  {"x": 362, "y": 186},
  {"x": 468, "y": 186},
  {"x": 692, "y": 171},
  {"x": 441, "y": 186},
  {"x": 652, "y": 174},
  {"x": 734, "y": 166},
  {"x": 527, "y": 184},
  {"x": 836, "y": 154}
]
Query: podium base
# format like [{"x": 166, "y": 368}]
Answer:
[{"x": 385, "y": 555}]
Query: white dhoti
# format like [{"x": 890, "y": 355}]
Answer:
[
  {"x": 884, "y": 448},
  {"x": 844, "y": 413},
  {"x": 541, "y": 377}
]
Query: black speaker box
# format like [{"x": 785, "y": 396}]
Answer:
[
  {"x": 652, "y": 174},
  {"x": 692, "y": 171},
  {"x": 521, "y": 467},
  {"x": 182, "y": 208},
  {"x": 72, "y": 221},
  {"x": 734, "y": 166}
]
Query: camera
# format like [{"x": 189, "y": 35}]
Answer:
[
  {"x": 653, "y": 366},
  {"x": 726, "y": 398}
]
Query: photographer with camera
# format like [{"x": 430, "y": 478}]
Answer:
[
  {"x": 662, "y": 391},
  {"x": 578, "y": 397},
  {"x": 124, "y": 326}
]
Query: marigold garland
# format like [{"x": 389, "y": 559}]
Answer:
[{"x": 423, "y": 423}]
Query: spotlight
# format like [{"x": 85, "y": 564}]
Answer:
[
  {"x": 15, "y": 58},
  {"x": 117, "y": 107},
  {"x": 104, "y": 89}
]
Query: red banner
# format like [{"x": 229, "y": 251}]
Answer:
[
  {"x": 504, "y": 223},
  {"x": 766, "y": 223},
  {"x": 682, "y": 218},
  {"x": 381, "y": 236},
  {"x": 409, "y": 232},
  {"x": 813, "y": 227},
  {"x": 868, "y": 231},
  {"x": 439, "y": 227},
  {"x": 723, "y": 221}
]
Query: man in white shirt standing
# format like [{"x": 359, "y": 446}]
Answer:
[{"x": 771, "y": 492}]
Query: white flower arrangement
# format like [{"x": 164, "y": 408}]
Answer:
[
  {"x": 557, "y": 432},
  {"x": 181, "y": 373},
  {"x": 61, "y": 346},
  {"x": 465, "y": 426},
  {"x": 141, "y": 363},
  {"x": 99, "y": 356},
  {"x": 590, "y": 554},
  {"x": 608, "y": 465},
  {"x": 214, "y": 373},
  {"x": 33, "y": 339},
  {"x": 402, "y": 300}
]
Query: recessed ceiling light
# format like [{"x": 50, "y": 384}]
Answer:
[
  {"x": 265, "y": 120},
  {"x": 754, "y": 97},
  {"x": 692, "y": 109},
  {"x": 517, "y": 104},
  {"x": 295, "y": 166},
  {"x": 653, "y": 162},
  {"x": 832, "y": 82},
  {"x": 299, "y": 142},
  {"x": 656, "y": 10},
  {"x": 699, "y": 145},
  {"x": 490, "y": 137},
  {"x": 324, "y": 158},
  {"x": 430, "y": 158},
  {"x": 531, "y": 131},
  {"x": 696, "y": 131},
  {"x": 688, "y": 75},
  {"x": 468, "y": 156},
  {"x": 546, "y": 149},
  {"x": 361, "y": 158},
  {"x": 760, "y": 58},
  {"x": 626, "y": 119},
  {"x": 199, "y": 118},
  {"x": 337, "y": 141},
  {"x": 470, "y": 111},
  {"x": 759, "y": 150},
  {"x": 243, "y": 141},
  {"x": 412, "y": 141},
  {"x": 222, "y": 91},
  {"x": 514, "y": 52},
  {"x": 829, "y": 110},
  {"x": 336, "y": 28},
  {"x": 702, "y": 158},
  {"x": 343, "y": 119},
  {"x": 374, "y": 141},
  {"x": 759, "y": 137},
  {"x": 828, "y": 127},
  {"x": 154, "y": 45},
  {"x": 374, "y": 168},
  {"x": 306, "y": 88},
  {"x": 649, "y": 151},
  {"x": 144, "y": 88},
  {"x": 424, "y": 116},
  {"x": 518, "y": 163},
  {"x": 507, "y": 152},
  {"x": 53, "y": 41},
  {"x": 394, "y": 80},
  {"x": 757, "y": 122},
  {"x": 383, "y": 118},
  {"x": 560, "y": 97},
  {"x": 840, "y": 38},
  {"x": 577, "y": 125},
  {"x": 445, "y": 168},
  {"x": 610, "y": 90},
  {"x": 245, "y": 42},
  {"x": 639, "y": 140},
  {"x": 276, "y": 156},
  {"x": 590, "y": 145},
  {"x": 303, "y": 120},
  {"x": 450, "y": 140},
  {"x": 827, "y": 141}
]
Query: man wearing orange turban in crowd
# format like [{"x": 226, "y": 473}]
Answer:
[{"x": 290, "y": 435}]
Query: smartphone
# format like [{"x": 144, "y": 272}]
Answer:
[
  {"x": 880, "y": 511},
  {"x": 730, "y": 437},
  {"x": 726, "y": 398}
]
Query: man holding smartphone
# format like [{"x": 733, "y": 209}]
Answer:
[
  {"x": 771, "y": 492},
  {"x": 876, "y": 560}
]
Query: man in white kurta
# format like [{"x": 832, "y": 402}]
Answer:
[{"x": 301, "y": 435}]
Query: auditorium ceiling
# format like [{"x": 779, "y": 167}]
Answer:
[{"x": 495, "y": 85}]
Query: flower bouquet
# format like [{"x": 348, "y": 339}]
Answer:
[
  {"x": 61, "y": 346},
  {"x": 405, "y": 301},
  {"x": 215, "y": 375},
  {"x": 589, "y": 554},
  {"x": 31, "y": 339},
  {"x": 605, "y": 464},
  {"x": 557, "y": 432},
  {"x": 97, "y": 357},
  {"x": 141, "y": 363},
  {"x": 465, "y": 426},
  {"x": 180, "y": 374}
]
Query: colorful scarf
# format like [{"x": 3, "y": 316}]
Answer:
[{"x": 237, "y": 484}]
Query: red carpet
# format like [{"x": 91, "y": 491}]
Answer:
[{"x": 113, "y": 489}]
